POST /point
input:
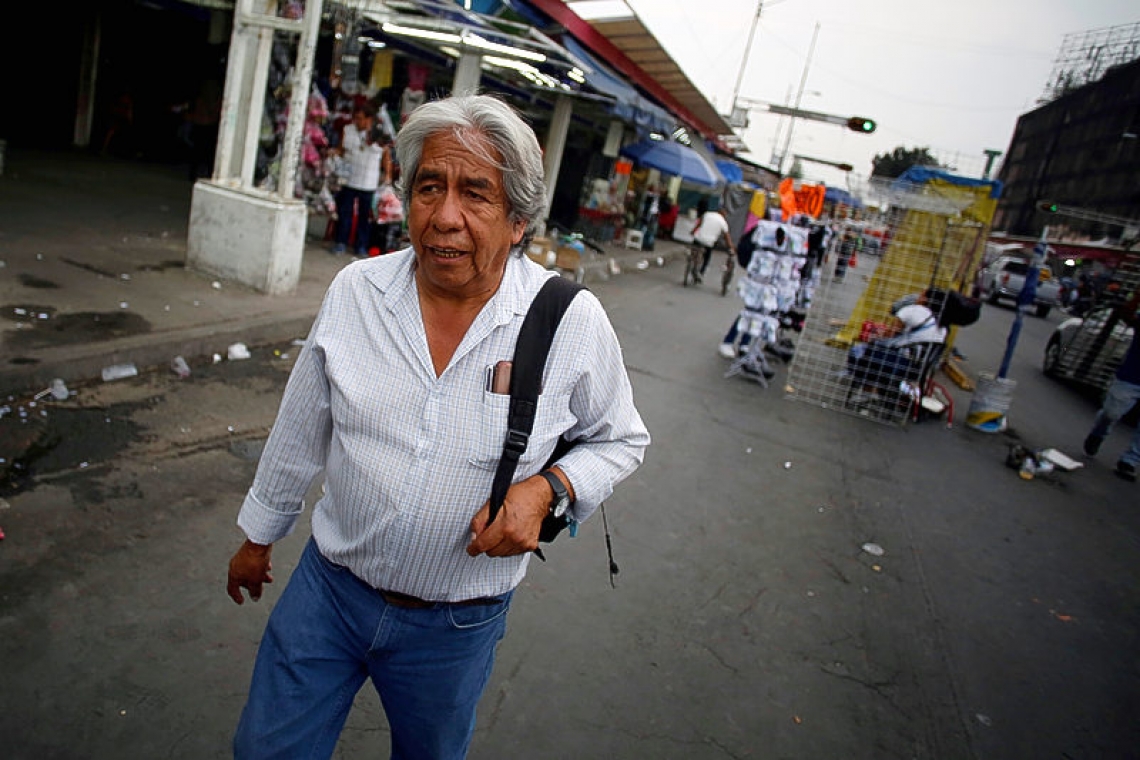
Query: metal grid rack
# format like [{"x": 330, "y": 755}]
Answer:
[
  {"x": 1084, "y": 57},
  {"x": 1100, "y": 342},
  {"x": 926, "y": 243}
]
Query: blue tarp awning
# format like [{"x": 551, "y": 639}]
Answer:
[
  {"x": 838, "y": 195},
  {"x": 731, "y": 171},
  {"x": 629, "y": 105},
  {"x": 670, "y": 157},
  {"x": 919, "y": 175}
]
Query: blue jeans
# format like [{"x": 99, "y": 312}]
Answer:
[
  {"x": 882, "y": 367},
  {"x": 329, "y": 631},
  {"x": 1117, "y": 401},
  {"x": 734, "y": 333}
]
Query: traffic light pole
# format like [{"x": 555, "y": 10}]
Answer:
[{"x": 1085, "y": 215}]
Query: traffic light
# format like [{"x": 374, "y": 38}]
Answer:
[
  {"x": 1049, "y": 207},
  {"x": 861, "y": 124}
]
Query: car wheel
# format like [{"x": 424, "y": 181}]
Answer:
[
  {"x": 992, "y": 297},
  {"x": 1043, "y": 311},
  {"x": 1052, "y": 357}
]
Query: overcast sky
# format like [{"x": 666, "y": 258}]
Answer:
[{"x": 950, "y": 76}]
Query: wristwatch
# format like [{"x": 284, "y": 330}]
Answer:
[{"x": 561, "y": 501}]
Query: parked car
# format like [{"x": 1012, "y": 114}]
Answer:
[
  {"x": 1005, "y": 277},
  {"x": 1087, "y": 350}
]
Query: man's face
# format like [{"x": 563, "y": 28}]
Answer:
[{"x": 458, "y": 221}]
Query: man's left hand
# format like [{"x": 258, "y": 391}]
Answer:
[{"x": 516, "y": 527}]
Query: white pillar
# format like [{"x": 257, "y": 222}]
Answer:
[
  {"x": 236, "y": 231},
  {"x": 468, "y": 72},
  {"x": 299, "y": 100},
  {"x": 556, "y": 144}
]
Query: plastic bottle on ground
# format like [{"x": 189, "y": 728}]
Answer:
[{"x": 119, "y": 371}]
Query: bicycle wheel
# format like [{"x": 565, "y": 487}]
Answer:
[
  {"x": 726, "y": 278},
  {"x": 691, "y": 265}
]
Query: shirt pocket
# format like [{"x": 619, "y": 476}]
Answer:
[{"x": 552, "y": 418}]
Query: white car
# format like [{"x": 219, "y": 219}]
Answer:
[{"x": 1005, "y": 276}]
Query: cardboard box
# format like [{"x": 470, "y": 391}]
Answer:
[
  {"x": 539, "y": 250},
  {"x": 567, "y": 258}
]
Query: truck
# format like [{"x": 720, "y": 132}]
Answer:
[{"x": 1004, "y": 277}]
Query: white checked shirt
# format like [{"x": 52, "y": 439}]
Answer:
[
  {"x": 362, "y": 161},
  {"x": 409, "y": 457}
]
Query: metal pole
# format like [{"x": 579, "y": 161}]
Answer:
[
  {"x": 747, "y": 52},
  {"x": 299, "y": 102},
  {"x": 799, "y": 97},
  {"x": 1025, "y": 300},
  {"x": 780, "y": 127}
]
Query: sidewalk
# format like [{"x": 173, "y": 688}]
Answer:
[{"x": 92, "y": 274}]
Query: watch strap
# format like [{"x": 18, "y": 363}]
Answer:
[{"x": 556, "y": 485}]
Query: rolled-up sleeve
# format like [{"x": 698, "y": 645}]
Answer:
[{"x": 295, "y": 452}]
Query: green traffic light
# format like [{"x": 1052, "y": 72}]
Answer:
[{"x": 861, "y": 124}]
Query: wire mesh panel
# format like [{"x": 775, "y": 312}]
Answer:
[
  {"x": 1089, "y": 352},
  {"x": 848, "y": 357}
]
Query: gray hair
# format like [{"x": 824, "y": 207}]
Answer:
[{"x": 483, "y": 124}]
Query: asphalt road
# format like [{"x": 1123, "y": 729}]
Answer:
[{"x": 747, "y": 621}]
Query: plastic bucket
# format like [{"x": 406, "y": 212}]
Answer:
[{"x": 990, "y": 403}]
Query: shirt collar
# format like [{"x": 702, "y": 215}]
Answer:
[{"x": 520, "y": 282}]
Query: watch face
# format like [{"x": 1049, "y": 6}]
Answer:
[{"x": 560, "y": 506}]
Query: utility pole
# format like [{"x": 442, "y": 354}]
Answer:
[
  {"x": 799, "y": 98},
  {"x": 780, "y": 128},
  {"x": 747, "y": 53}
]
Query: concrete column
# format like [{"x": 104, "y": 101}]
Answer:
[
  {"x": 468, "y": 72},
  {"x": 236, "y": 231},
  {"x": 556, "y": 144},
  {"x": 253, "y": 104},
  {"x": 299, "y": 99},
  {"x": 236, "y": 95}
]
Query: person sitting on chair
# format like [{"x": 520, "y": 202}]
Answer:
[{"x": 884, "y": 363}]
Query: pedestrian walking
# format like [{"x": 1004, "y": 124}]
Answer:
[
  {"x": 362, "y": 148},
  {"x": 1122, "y": 395},
  {"x": 396, "y": 399}
]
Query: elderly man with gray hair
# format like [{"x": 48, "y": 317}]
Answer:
[{"x": 405, "y": 580}]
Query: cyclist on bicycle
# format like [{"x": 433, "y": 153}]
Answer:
[{"x": 711, "y": 227}]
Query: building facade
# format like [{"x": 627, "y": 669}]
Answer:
[{"x": 1082, "y": 150}]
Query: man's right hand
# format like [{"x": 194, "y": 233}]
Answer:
[{"x": 249, "y": 569}]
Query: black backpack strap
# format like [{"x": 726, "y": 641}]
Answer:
[{"x": 533, "y": 346}]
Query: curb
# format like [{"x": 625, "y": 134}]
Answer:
[{"x": 80, "y": 364}]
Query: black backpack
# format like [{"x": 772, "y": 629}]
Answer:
[{"x": 531, "y": 350}]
